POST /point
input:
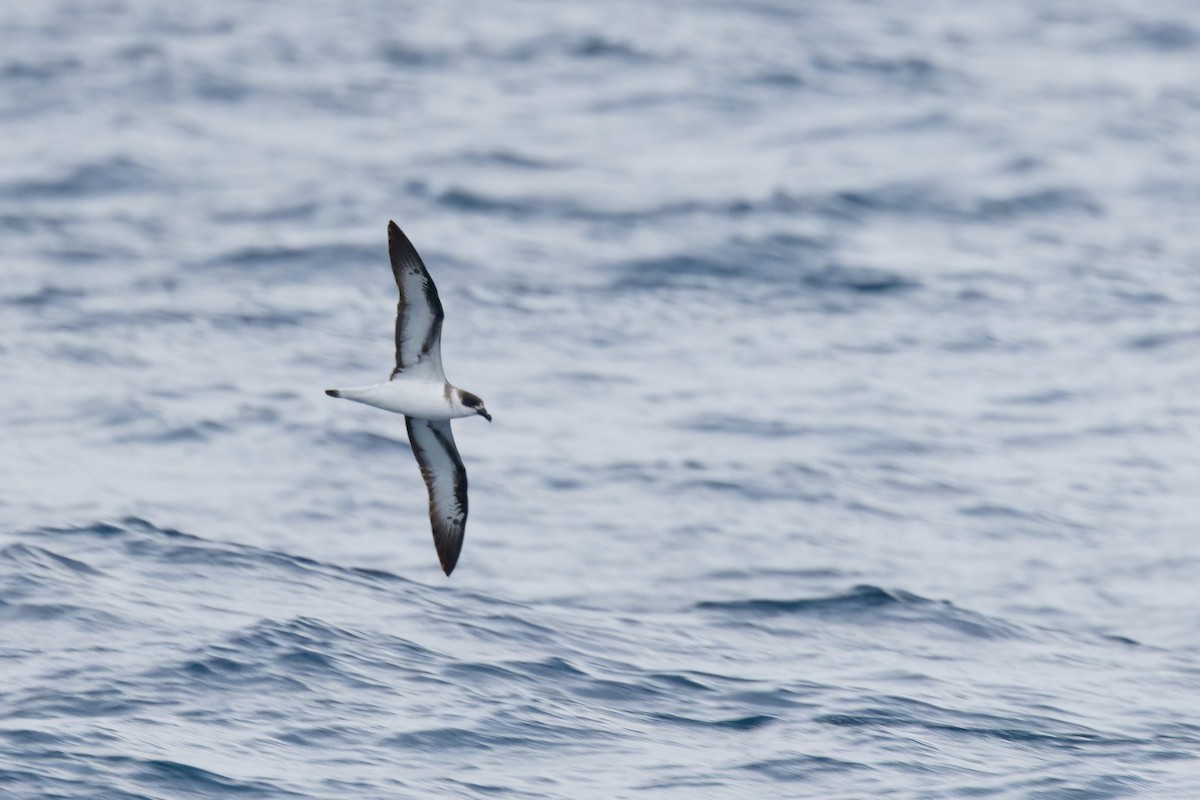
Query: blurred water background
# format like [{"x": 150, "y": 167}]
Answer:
[{"x": 844, "y": 360}]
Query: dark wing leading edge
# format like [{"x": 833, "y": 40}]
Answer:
[
  {"x": 446, "y": 478},
  {"x": 419, "y": 312}
]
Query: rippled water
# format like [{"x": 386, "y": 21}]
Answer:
[{"x": 844, "y": 360}]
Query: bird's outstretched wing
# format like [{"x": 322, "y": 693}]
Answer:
[
  {"x": 446, "y": 478},
  {"x": 418, "y": 313}
]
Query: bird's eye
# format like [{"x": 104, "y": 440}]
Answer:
[{"x": 471, "y": 401}]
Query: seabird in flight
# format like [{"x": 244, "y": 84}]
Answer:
[{"x": 418, "y": 389}]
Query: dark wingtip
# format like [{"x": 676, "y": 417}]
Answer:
[
  {"x": 401, "y": 251},
  {"x": 448, "y": 550},
  {"x": 333, "y": 393}
]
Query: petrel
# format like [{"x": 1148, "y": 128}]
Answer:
[{"x": 418, "y": 389}]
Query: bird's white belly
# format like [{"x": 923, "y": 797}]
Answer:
[{"x": 422, "y": 399}]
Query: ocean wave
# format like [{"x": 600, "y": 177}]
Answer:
[
  {"x": 872, "y": 604},
  {"x": 104, "y": 176},
  {"x": 780, "y": 261},
  {"x": 274, "y": 258}
]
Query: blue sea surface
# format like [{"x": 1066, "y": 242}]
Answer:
[{"x": 845, "y": 366}]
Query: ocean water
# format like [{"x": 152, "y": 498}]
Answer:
[{"x": 845, "y": 365}]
